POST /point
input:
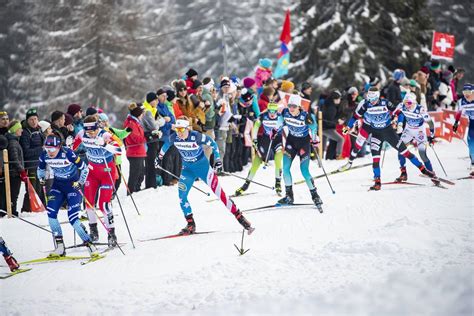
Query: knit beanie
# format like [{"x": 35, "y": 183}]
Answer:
[
  {"x": 248, "y": 82},
  {"x": 151, "y": 96},
  {"x": 14, "y": 126},
  {"x": 31, "y": 112},
  {"x": 72, "y": 109},
  {"x": 135, "y": 109},
  {"x": 44, "y": 125},
  {"x": 287, "y": 85}
]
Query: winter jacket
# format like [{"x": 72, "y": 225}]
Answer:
[
  {"x": 331, "y": 113},
  {"x": 189, "y": 86},
  {"x": 148, "y": 120},
  {"x": 15, "y": 155},
  {"x": 62, "y": 132},
  {"x": 210, "y": 112},
  {"x": 164, "y": 111},
  {"x": 394, "y": 94},
  {"x": 445, "y": 97},
  {"x": 263, "y": 102},
  {"x": 262, "y": 75},
  {"x": 78, "y": 126},
  {"x": 135, "y": 141},
  {"x": 31, "y": 141}
]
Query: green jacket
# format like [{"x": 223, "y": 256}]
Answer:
[{"x": 210, "y": 112}]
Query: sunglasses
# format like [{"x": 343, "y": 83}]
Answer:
[
  {"x": 409, "y": 103},
  {"x": 467, "y": 91},
  {"x": 272, "y": 111},
  {"x": 51, "y": 149},
  {"x": 180, "y": 129}
]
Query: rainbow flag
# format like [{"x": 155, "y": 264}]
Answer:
[{"x": 284, "y": 55}]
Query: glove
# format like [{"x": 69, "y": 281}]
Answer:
[
  {"x": 455, "y": 126},
  {"x": 69, "y": 141},
  {"x": 431, "y": 139},
  {"x": 76, "y": 185},
  {"x": 218, "y": 165},
  {"x": 315, "y": 141},
  {"x": 42, "y": 181},
  {"x": 255, "y": 143},
  {"x": 399, "y": 128},
  {"x": 157, "y": 133},
  {"x": 161, "y": 122},
  {"x": 274, "y": 133},
  {"x": 83, "y": 176},
  {"x": 345, "y": 130},
  {"x": 99, "y": 141},
  {"x": 23, "y": 176},
  {"x": 129, "y": 130}
]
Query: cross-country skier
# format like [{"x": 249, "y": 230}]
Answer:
[
  {"x": 7, "y": 255},
  {"x": 377, "y": 120},
  {"x": 270, "y": 140},
  {"x": 195, "y": 165},
  {"x": 298, "y": 142},
  {"x": 414, "y": 117},
  {"x": 70, "y": 172},
  {"x": 466, "y": 107},
  {"x": 100, "y": 151}
]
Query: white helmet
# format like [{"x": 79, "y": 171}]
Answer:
[
  {"x": 294, "y": 99},
  {"x": 180, "y": 123}
]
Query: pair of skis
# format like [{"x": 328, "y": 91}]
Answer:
[
  {"x": 55, "y": 258},
  {"x": 336, "y": 172}
]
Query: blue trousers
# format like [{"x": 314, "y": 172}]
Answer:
[
  {"x": 470, "y": 140},
  {"x": 61, "y": 191}
]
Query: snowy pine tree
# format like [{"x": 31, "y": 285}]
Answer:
[{"x": 340, "y": 43}]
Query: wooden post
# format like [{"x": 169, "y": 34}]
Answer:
[
  {"x": 320, "y": 133},
  {"x": 6, "y": 173}
]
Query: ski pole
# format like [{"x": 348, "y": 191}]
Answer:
[
  {"x": 265, "y": 163},
  {"x": 176, "y": 177},
  {"x": 128, "y": 190},
  {"x": 97, "y": 215},
  {"x": 383, "y": 156},
  {"x": 325, "y": 174},
  {"x": 439, "y": 161},
  {"x": 246, "y": 179},
  {"x": 24, "y": 220},
  {"x": 118, "y": 199}
]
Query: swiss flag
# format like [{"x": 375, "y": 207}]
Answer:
[{"x": 442, "y": 46}]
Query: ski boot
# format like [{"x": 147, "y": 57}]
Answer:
[
  {"x": 60, "y": 250},
  {"x": 244, "y": 222},
  {"x": 377, "y": 185},
  {"x": 430, "y": 174},
  {"x": 112, "y": 238},
  {"x": 316, "y": 200},
  {"x": 243, "y": 188},
  {"x": 93, "y": 252},
  {"x": 403, "y": 175},
  {"x": 94, "y": 234},
  {"x": 288, "y": 199},
  {"x": 12, "y": 263},
  {"x": 278, "y": 186},
  {"x": 345, "y": 167},
  {"x": 190, "y": 227}
]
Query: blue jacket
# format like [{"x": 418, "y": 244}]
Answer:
[{"x": 164, "y": 111}]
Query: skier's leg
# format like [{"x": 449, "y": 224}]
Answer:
[
  {"x": 375, "y": 148},
  {"x": 74, "y": 202},
  {"x": 470, "y": 142},
  {"x": 91, "y": 187},
  {"x": 304, "y": 166},
  {"x": 185, "y": 184},
  {"x": 211, "y": 179},
  {"x": 424, "y": 156},
  {"x": 55, "y": 200}
]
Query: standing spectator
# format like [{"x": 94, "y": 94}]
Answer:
[
  {"x": 3, "y": 194},
  {"x": 135, "y": 147},
  {"x": 31, "y": 142},
  {"x": 49, "y": 176},
  {"x": 166, "y": 160},
  {"x": 4, "y": 122},
  {"x": 445, "y": 97},
  {"x": 75, "y": 111},
  {"x": 458, "y": 76},
  {"x": 191, "y": 76},
  {"x": 251, "y": 85},
  {"x": 224, "y": 108},
  {"x": 199, "y": 119},
  {"x": 208, "y": 128},
  {"x": 263, "y": 73},
  {"x": 152, "y": 135},
  {"x": 45, "y": 128},
  {"x": 394, "y": 93},
  {"x": 265, "y": 98},
  {"x": 16, "y": 162},
  {"x": 306, "y": 91},
  {"x": 331, "y": 115},
  {"x": 58, "y": 119},
  {"x": 434, "y": 81}
]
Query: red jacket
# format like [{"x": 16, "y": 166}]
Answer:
[
  {"x": 135, "y": 142},
  {"x": 189, "y": 86},
  {"x": 263, "y": 102}
]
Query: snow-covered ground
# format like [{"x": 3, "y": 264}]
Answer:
[{"x": 404, "y": 250}]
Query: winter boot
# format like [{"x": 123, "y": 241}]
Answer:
[
  {"x": 112, "y": 239},
  {"x": 12, "y": 263},
  {"x": 278, "y": 186},
  {"x": 244, "y": 222},
  {"x": 93, "y": 252},
  {"x": 242, "y": 189},
  {"x": 316, "y": 198},
  {"x": 345, "y": 167},
  {"x": 403, "y": 175},
  {"x": 288, "y": 199},
  {"x": 190, "y": 227},
  {"x": 60, "y": 250},
  {"x": 377, "y": 185},
  {"x": 94, "y": 234}
]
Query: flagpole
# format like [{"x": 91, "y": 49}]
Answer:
[{"x": 224, "y": 50}]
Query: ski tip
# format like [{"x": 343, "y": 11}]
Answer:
[{"x": 250, "y": 230}]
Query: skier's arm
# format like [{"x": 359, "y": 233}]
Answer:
[
  {"x": 311, "y": 122},
  {"x": 256, "y": 126},
  {"x": 358, "y": 114},
  {"x": 41, "y": 170},
  {"x": 206, "y": 140},
  {"x": 79, "y": 163}
]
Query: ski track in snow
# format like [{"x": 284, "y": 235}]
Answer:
[{"x": 403, "y": 250}]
